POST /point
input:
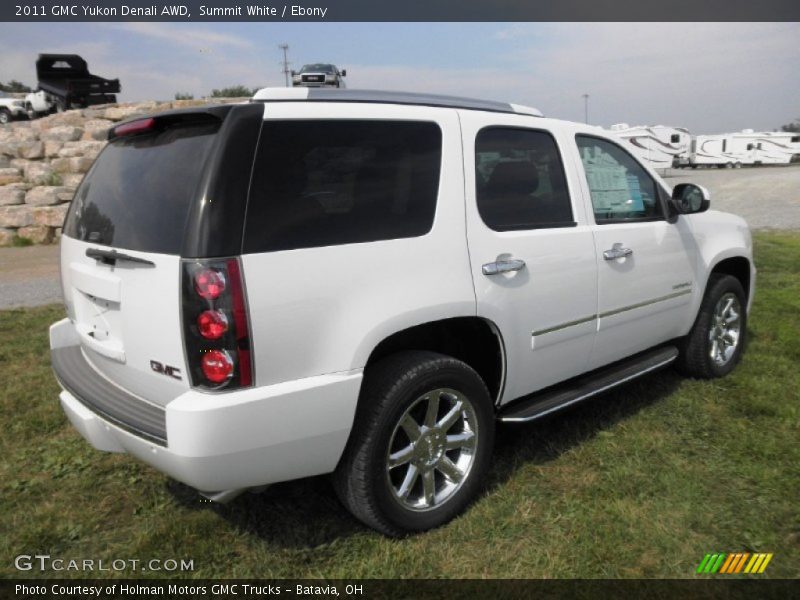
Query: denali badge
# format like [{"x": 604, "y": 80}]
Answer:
[{"x": 165, "y": 369}]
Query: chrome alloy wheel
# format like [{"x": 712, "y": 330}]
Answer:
[
  {"x": 724, "y": 333},
  {"x": 432, "y": 449}
]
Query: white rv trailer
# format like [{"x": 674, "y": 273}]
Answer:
[
  {"x": 747, "y": 147},
  {"x": 661, "y": 146},
  {"x": 774, "y": 147}
]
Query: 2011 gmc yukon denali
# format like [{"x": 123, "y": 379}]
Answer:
[{"x": 363, "y": 283}]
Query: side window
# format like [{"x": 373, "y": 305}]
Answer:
[
  {"x": 520, "y": 180},
  {"x": 675, "y": 138},
  {"x": 329, "y": 182},
  {"x": 620, "y": 187}
]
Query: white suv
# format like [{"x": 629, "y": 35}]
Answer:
[{"x": 363, "y": 283}]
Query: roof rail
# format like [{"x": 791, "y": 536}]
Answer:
[{"x": 304, "y": 94}]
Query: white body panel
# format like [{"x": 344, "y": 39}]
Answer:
[
  {"x": 236, "y": 440},
  {"x": 526, "y": 302},
  {"x": 39, "y": 101},
  {"x": 127, "y": 315},
  {"x": 322, "y": 310},
  {"x": 658, "y": 146}
]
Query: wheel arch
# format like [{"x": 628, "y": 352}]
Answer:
[
  {"x": 473, "y": 340},
  {"x": 738, "y": 267}
]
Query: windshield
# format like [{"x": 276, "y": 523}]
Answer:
[{"x": 317, "y": 68}]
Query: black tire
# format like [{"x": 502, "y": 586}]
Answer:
[
  {"x": 391, "y": 388},
  {"x": 5, "y": 116},
  {"x": 695, "y": 357}
]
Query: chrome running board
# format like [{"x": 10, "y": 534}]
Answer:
[{"x": 562, "y": 395}]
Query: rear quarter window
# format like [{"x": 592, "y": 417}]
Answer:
[{"x": 329, "y": 182}]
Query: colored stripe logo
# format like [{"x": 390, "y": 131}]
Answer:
[{"x": 734, "y": 563}]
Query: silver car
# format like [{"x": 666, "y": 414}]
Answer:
[{"x": 319, "y": 75}]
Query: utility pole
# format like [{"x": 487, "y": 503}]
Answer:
[
  {"x": 286, "y": 63},
  {"x": 586, "y": 108}
]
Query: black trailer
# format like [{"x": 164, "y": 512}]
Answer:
[{"x": 65, "y": 78}]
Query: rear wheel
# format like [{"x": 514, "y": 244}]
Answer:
[
  {"x": 420, "y": 446},
  {"x": 5, "y": 116},
  {"x": 715, "y": 343}
]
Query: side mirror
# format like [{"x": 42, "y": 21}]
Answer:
[
  {"x": 688, "y": 198},
  {"x": 294, "y": 72},
  {"x": 344, "y": 72}
]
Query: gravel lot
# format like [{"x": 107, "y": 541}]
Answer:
[
  {"x": 768, "y": 197},
  {"x": 30, "y": 276}
]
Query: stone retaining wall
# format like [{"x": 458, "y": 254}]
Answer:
[{"x": 43, "y": 161}]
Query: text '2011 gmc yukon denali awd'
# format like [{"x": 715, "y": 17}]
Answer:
[{"x": 363, "y": 283}]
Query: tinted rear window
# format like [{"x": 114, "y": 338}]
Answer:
[
  {"x": 323, "y": 183},
  {"x": 138, "y": 193}
]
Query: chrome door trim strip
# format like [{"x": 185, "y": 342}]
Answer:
[
  {"x": 610, "y": 313},
  {"x": 564, "y": 325},
  {"x": 617, "y": 311}
]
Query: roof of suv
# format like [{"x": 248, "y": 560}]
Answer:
[{"x": 381, "y": 96}]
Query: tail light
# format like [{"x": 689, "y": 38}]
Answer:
[
  {"x": 217, "y": 366},
  {"x": 134, "y": 127},
  {"x": 216, "y": 326}
]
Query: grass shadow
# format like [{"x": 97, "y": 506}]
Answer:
[
  {"x": 306, "y": 514},
  {"x": 544, "y": 440},
  {"x": 303, "y": 513}
]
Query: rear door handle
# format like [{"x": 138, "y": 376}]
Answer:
[
  {"x": 503, "y": 266},
  {"x": 617, "y": 251}
]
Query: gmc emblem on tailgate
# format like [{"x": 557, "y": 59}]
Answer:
[{"x": 165, "y": 369}]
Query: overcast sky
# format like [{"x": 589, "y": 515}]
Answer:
[{"x": 708, "y": 77}]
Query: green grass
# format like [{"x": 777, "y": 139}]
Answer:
[
  {"x": 638, "y": 483},
  {"x": 20, "y": 242}
]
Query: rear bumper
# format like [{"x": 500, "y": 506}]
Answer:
[{"x": 228, "y": 441}]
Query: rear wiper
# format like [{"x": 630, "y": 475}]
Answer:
[{"x": 110, "y": 257}]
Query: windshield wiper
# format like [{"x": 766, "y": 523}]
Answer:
[{"x": 110, "y": 257}]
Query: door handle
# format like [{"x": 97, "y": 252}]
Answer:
[
  {"x": 617, "y": 251},
  {"x": 503, "y": 266}
]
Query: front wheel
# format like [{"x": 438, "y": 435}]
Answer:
[
  {"x": 421, "y": 443},
  {"x": 716, "y": 341},
  {"x": 5, "y": 116}
]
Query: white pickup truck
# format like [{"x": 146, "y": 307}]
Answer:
[
  {"x": 364, "y": 283},
  {"x": 10, "y": 108}
]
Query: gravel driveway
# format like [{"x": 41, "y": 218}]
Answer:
[
  {"x": 767, "y": 197},
  {"x": 30, "y": 276}
]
